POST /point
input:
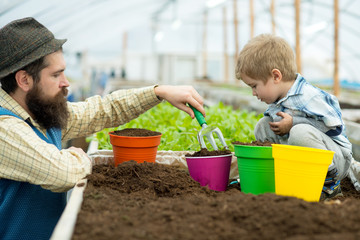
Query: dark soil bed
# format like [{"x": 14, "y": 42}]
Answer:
[{"x": 154, "y": 201}]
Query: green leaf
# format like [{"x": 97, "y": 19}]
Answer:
[{"x": 180, "y": 131}]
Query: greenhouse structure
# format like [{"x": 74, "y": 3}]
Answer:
[{"x": 179, "y": 119}]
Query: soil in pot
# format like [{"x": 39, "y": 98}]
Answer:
[
  {"x": 136, "y": 132},
  {"x": 154, "y": 201},
  {"x": 205, "y": 152},
  {"x": 254, "y": 143}
]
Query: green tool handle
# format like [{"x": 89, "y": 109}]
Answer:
[{"x": 199, "y": 117}]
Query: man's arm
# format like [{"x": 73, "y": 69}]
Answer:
[
  {"x": 121, "y": 106},
  {"x": 27, "y": 158}
]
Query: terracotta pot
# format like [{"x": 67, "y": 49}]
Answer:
[{"x": 139, "y": 149}]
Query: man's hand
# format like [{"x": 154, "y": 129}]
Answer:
[
  {"x": 282, "y": 127},
  {"x": 179, "y": 96},
  {"x": 79, "y": 151}
]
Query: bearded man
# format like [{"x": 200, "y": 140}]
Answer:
[{"x": 35, "y": 118}]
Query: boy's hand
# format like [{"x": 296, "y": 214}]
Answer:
[{"x": 282, "y": 127}]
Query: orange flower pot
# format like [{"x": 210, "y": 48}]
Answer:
[{"x": 139, "y": 149}]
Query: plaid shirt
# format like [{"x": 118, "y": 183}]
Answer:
[
  {"x": 307, "y": 101},
  {"x": 25, "y": 157}
]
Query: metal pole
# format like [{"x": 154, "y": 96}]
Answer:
[
  {"x": 252, "y": 17},
  {"x": 124, "y": 51},
  {"x": 204, "y": 53},
  {"x": 272, "y": 11},
  {"x": 236, "y": 31},
  {"x": 336, "y": 49},
  {"x": 226, "y": 60},
  {"x": 297, "y": 33}
]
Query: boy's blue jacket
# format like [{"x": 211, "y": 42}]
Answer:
[{"x": 305, "y": 101}]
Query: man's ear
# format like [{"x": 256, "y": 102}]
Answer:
[
  {"x": 276, "y": 74},
  {"x": 24, "y": 80}
]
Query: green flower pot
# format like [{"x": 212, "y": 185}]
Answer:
[{"x": 256, "y": 169}]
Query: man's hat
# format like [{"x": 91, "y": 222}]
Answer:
[{"x": 22, "y": 42}]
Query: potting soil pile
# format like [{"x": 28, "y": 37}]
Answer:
[{"x": 156, "y": 201}]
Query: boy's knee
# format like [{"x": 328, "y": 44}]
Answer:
[
  {"x": 299, "y": 133},
  {"x": 261, "y": 128},
  {"x": 298, "y": 129},
  {"x": 262, "y": 123}
]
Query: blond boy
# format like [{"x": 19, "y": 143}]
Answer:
[{"x": 298, "y": 113}]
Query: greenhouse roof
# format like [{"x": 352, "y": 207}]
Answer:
[{"x": 177, "y": 26}]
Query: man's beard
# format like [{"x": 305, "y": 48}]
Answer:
[{"x": 48, "y": 113}]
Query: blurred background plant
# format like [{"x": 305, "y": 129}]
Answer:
[{"x": 180, "y": 131}]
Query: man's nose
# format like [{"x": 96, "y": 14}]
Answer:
[{"x": 64, "y": 82}]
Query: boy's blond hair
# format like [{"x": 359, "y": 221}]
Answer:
[{"x": 264, "y": 53}]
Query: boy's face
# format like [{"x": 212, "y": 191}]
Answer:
[{"x": 268, "y": 92}]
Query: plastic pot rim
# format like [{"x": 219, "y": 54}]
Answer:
[{"x": 201, "y": 157}]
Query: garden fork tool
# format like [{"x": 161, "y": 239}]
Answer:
[{"x": 207, "y": 131}]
